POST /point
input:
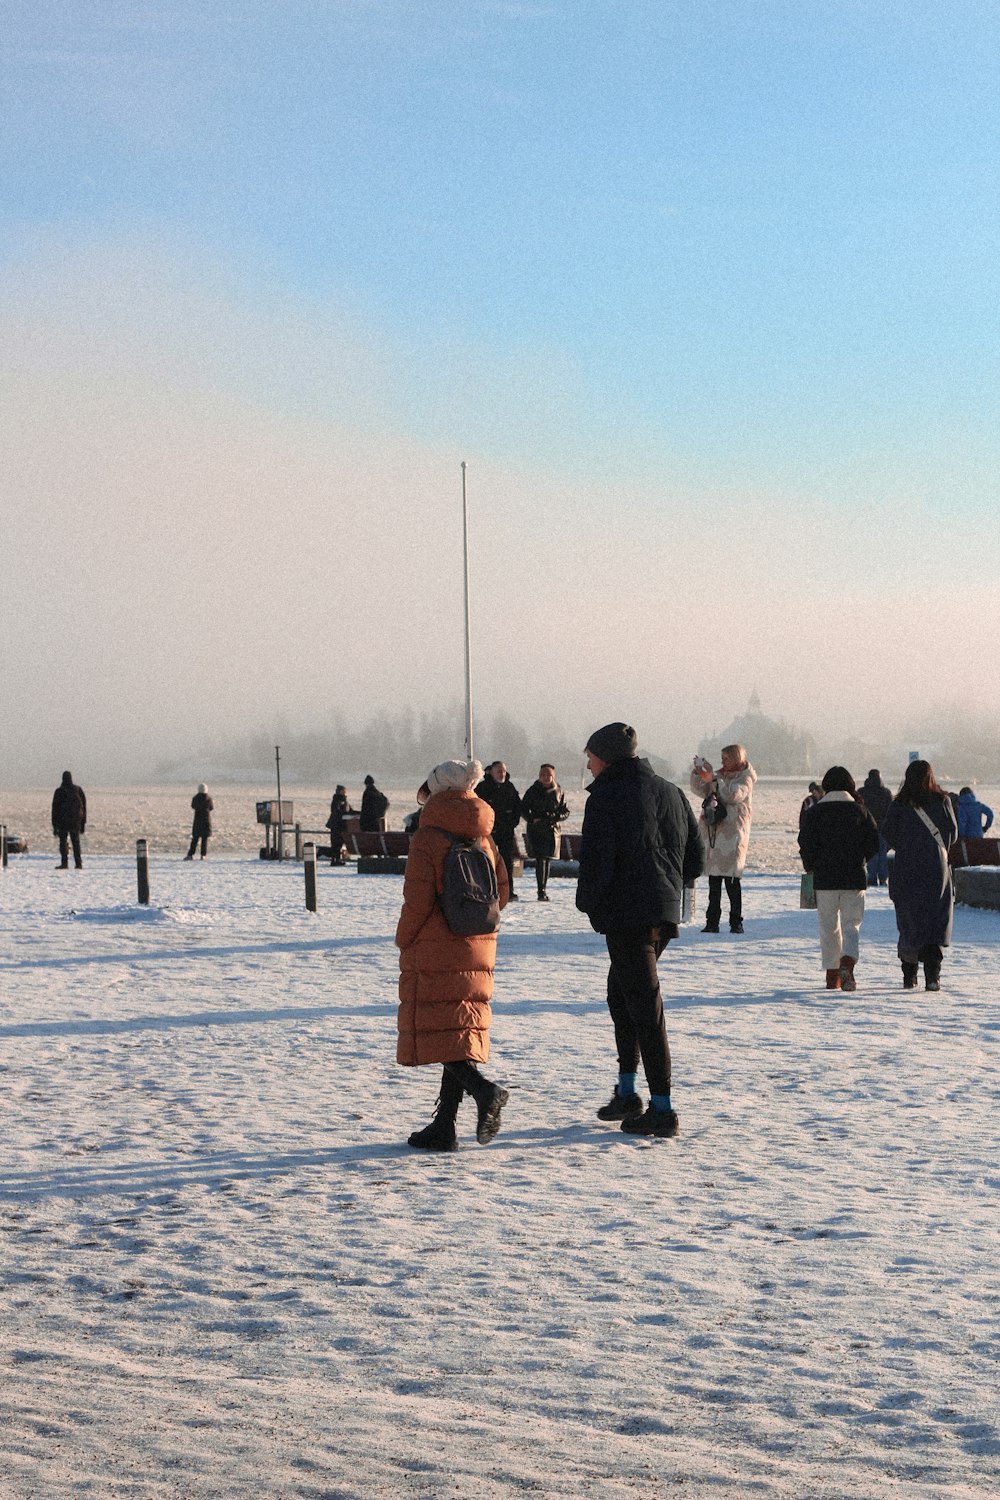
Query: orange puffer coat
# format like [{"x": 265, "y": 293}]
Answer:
[{"x": 445, "y": 980}]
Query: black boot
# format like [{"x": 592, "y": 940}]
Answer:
[
  {"x": 440, "y": 1134},
  {"x": 490, "y": 1098},
  {"x": 910, "y": 972}
]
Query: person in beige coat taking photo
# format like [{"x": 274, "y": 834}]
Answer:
[{"x": 726, "y": 811}]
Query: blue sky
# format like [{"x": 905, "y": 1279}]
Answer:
[{"x": 645, "y": 265}]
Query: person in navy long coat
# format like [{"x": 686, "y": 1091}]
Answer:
[{"x": 920, "y": 826}]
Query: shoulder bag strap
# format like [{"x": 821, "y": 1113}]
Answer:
[{"x": 930, "y": 825}]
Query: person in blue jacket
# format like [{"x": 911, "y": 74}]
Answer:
[
  {"x": 974, "y": 817},
  {"x": 639, "y": 848}
]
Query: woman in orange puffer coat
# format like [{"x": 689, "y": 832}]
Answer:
[{"x": 446, "y": 979}]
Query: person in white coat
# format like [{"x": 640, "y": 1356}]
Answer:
[{"x": 725, "y": 830}]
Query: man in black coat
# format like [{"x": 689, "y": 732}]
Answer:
[
  {"x": 640, "y": 847},
  {"x": 877, "y": 797},
  {"x": 69, "y": 819},
  {"x": 544, "y": 808},
  {"x": 499, "y": 791},
  {"x": 374, "y": 806}
]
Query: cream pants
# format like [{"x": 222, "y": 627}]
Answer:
[{"x": 840, "y": 914}]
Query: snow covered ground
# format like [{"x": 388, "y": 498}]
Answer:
[{"x": 225, "y": 1274}]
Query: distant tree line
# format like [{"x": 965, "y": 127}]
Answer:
[{"x": 395, "y": 746}]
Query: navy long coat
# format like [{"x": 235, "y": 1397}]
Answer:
[{"x": 919, "y": 876}]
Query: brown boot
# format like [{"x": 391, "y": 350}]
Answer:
[
  {"x": 833, "y": 979},
  {"x": 847, "y": 974}
]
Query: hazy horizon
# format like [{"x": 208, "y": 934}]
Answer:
[{"x": 705, "y": 296}]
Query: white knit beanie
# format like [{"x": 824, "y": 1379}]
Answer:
[{"x": 455, "y": 775}]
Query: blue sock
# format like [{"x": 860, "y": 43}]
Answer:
[
  {"x": 626, "y": 1084},
  {"x": 660, "y": 1102}
]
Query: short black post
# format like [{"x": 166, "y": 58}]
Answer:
[
  {"x": 142, "y": 870},
  {"x": 309, "y": 856},
  {"x": 3, "y": 845}
]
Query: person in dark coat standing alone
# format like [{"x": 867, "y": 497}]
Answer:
[
  {"x": 877, "y": 797},
  {"x": 544, "y": 808},
  {"x": 920, "y": 826},
  {"x": 374, "y": 806},
  {"x": 69, "y": 820},
  {"x": 499, "y": 791},
  {"x": 640, "y": 847},
  {"x": 202, "y": 806}
]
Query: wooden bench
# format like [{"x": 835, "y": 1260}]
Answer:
[
  {"x": 974, "y": 852},
  {"x": 389, "y": 845}
]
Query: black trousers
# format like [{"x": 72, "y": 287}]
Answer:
[
  {"x": 505, "y": 849},
  {"x": 67, "y": 836},
  {"x": 194, "y": 844},
  {"x": 734, "y": 891},
  {"x": 542, "y": 873},
  {"x": 636, "y": 1004}
]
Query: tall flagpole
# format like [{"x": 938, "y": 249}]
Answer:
[{"x": 469, "y": 748}]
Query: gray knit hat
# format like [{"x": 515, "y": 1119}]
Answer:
[
  {"x": 614, "y": 742},
  {"x": 455, "y": 775}
]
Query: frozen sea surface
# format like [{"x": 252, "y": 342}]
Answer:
[
  {"x": 223, "y": 1273},
  {"x": 162, "y": 815}
]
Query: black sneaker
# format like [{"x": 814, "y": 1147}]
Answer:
[
  {"x": 710, "y": 927},
  {"x": 437, "y": 1136},
  {"x": 736, "y": 926},
  {"x": 513, "y": 896},
  {"x": 488, "y": 1122},
  {"x": 620, "y": 1106},
  {"x": 542, "y": 896},
  {"x": 659, "y": 1122}
]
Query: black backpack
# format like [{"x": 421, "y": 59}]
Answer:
[{"x": 469, "y": 898}]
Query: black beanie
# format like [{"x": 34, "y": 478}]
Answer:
[{"x": 613, "y": 742}]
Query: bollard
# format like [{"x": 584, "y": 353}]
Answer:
[
  {"x": 142, "y": 870},
  {"x": 309, "y": 856},
  {"x": 298, "y": 841},
  {"x": 3, "y": 846},
  {"x": 687, "y": 904}
]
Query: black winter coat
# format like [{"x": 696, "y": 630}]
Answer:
[
  {"x": 640, "y": 847},
  {"x": 374, "y": 806},
  {"x": 543, "y": 809},
  {"x": 502, "y": 796},
  {"x": 340, "y": 808},
  {"x": 837, "y": 838},
  {"x": 877, "y": 798},
  {"x": 202, "y": 804},
  {"x": 919, "y": 875},
  {"x": 69, "y": 807}
]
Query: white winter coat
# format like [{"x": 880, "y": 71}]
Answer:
[{"x": 728, "y": 855}]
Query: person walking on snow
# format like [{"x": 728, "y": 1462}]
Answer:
[
  {"x": 544, "y": 808},
  {"x": 639, "y": 848},
  {"x": 837, "y": 837},
  {"x": 920, "y": 826},
  {"x": 877, "y": 797},
  {"x": 446, "y": 979},
  {"x": 726, "y": 841},
  {"x": 497, "y": 789}
]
